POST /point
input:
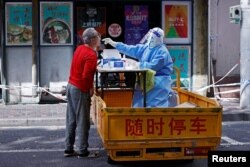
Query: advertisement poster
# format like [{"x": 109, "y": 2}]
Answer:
[
  {"x": 115, "y": 30},
  {"x": 176, "y": 21},
  {"x": 91, "y": 17},
  {"x": 136, "y": 23},
  {"x": 56, "y": 23},
  {"x": 18, "y": 23},
  {"x": 181, "y": 57}
]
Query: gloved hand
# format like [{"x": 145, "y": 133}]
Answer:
[{"x": 109, "y": 41}]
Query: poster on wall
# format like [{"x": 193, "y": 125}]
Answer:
[
  {"x": 136, "y": 23},
  {"x": 91, "y": 17},
  {"x": 181, "y": 57},
  {"x": 56, "y": 23},
  {"x": 176, "y": 21},
  {"x": 115, "y": 30},
  {"x": 18, "y": 23}
]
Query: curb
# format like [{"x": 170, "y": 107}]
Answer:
[
  {"x": 239, "y": 116},
  {"x": 33, "y": 122}
]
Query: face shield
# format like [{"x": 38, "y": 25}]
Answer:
[
  {"x": 145, "y": 39},
  {"x": 153, "y": 38}
]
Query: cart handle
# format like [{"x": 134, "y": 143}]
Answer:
[{"x": 178, "y": 75}]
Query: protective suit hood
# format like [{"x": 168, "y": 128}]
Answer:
[{"x": 153, "y": 38}]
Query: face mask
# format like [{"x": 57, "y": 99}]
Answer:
[{"x": 153, "y": 42}]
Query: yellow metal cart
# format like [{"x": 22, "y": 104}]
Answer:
[{"x": 187, "y": 131}]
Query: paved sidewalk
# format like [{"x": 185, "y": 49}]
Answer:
[
  {"x": 233, "y": 112},
  {"x": 32, "y": 114},
  {"x": 54, "y": 114}
]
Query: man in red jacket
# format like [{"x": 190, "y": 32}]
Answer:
[{"x": 79, "y": 92}]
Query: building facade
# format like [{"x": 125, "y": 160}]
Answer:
[{"x": 37, "y": 45}]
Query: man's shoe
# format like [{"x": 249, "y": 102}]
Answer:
[
  {"x": 95, "y": 154},
  {"x": 83, "y": 154},
  {"x": 69, "y": 153}
]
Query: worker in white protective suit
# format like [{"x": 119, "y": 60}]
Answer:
[{"x": 153, "y": 54}]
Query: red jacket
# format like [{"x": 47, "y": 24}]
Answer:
[{"x": 83, "y": 68}]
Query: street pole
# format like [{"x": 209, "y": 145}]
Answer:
[
  {"x": 245, "y": 55},
  {"x": 2, "y": 58},
  {"x": 34, "y": 46}
]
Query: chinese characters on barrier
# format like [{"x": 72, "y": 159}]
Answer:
[{"x": 135, "y": 127}]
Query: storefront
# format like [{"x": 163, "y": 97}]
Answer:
[
  {"x": 61, "y": 23},
  {"x": 120, "y": 17}
]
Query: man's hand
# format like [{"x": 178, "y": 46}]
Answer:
[
  {"x": 91, "y": 92},
  {"x": 109, "y": 41}
]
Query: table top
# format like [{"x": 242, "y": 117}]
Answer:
[{"x": 100, "y": 69}]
